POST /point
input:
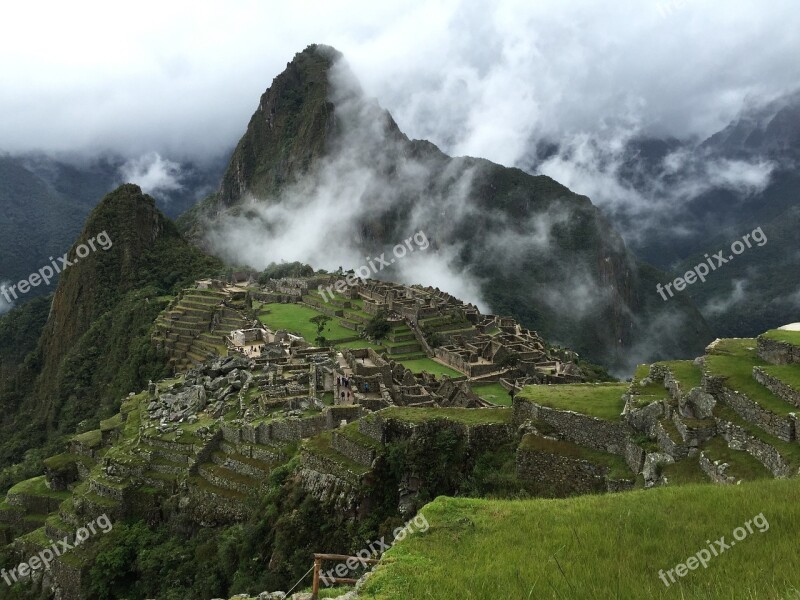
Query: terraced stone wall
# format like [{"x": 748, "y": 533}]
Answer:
[{"x": 776, "y": 352}]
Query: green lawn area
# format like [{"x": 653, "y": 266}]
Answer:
[
  {"x": 649, "y": 393},
  {"x": 37, "y": 487},
  {"x": 419, "y": 365},
  {"x": 742, "y": 465},
  {"x": 734, "y": 359},
  {"x": 468, "y": 416},
  {"x": 685, "y": 372},
  {"x": 360, "y": 344},
  {"x": 603, "y": 400},
  {"x": 684, "y": 472},
  {"x": 296, "y": 319},
  {"x": 492, "y": 392},
  {"x": 788, "y": 374},
  {"x": 599, "y": 546},
  {"x": 780, "y": 335}
]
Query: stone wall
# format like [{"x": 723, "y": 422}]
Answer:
[
  {"x": 583, "y": 430},
  {"x": 693, "y": 436},
  {"x": 667, "y": 444},
  {"x": 560, "y": 474},
  {"x": 330, "y": 489},
  {"x": 777, "y": 353},
  {"x": 486, "y": 435},
  {"x": 209, "y": 509},
  {"x": 716, "y": 470},
  {"x": 323, "y": 464},
  {"x": 644, "y": 419},
  {"x": 458, "y": 362},
  {"x": 777, "y": 387},
  {"x": 634, "y": 456},
  {"x": 334, "y": 415},
  {"x": 780, "y": 427},
  {"x": 363, "y": 455},
  {"x": 372, "y": 427},
  {"x": 739, "y": 439}
]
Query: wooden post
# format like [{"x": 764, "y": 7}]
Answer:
[{"x": 315, "y": 585}]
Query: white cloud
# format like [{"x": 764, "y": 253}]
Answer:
[
  {"x": 5, "y": 305},
  {"x": 722, "y": 304},
  {"x": 152, "y": 173},
  {"x": 475, "y": 77}
]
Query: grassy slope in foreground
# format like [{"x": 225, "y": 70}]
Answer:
[{"x": 603, "y": 546}]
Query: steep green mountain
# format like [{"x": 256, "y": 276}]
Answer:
[
  {"x": 94, "y": 346},
  {"x": 759, "y": 288},
  {"x": 529, "y": 246},
  {"x": 46, "y": 200},
  {"x": 698, "y": 198}
]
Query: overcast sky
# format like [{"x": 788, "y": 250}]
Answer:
[{"x": 479, "y": 78}]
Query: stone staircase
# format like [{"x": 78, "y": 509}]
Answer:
[{"x": 193, "y": 328}]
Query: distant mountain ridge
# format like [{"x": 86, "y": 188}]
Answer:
[
  {"x": 536, "y": 250},
  {"x": 761, "y": 147},
  {"x": 45, "y": 201}
]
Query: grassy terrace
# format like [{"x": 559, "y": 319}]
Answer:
[
  {"x": 352, "y": 433},
  {"x": 734, "y": 359},
  {"x": 788, "y": 374},
  {"x": 617, "y": 468},
  {"x": 321, "y": 446},
  {"x": 685, "y": 372},
  {"x": 599, "y": 546},
  {"x": 685, "y": 472},
  {"x": 492, "y": 392},
  {"x": 650, "y": 392},
  {"x": 602, "y": 400},
  {"x": 37, "y": 487},
  {"x": 780, "y": 335},
  {"x": 468, "y": 416},
  {"x": 790, "y": 452},
  {"x": 430, "y": 366},
  {"x": 743, "y": 466},
  {"x": 90, "y": 439}
]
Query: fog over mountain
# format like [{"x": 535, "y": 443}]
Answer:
[{"x": 475, "y": 78}]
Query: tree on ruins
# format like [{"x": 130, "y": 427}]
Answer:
[{"x": 320, "y": 321}]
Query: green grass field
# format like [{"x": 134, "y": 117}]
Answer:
[
  {"x": 603, "y": 400},
  {"x": 780, "y": 335},
  {"x": 430, "y": 366},
  {"x": 686, "y": 373},
  {"x": 600, "y": 546},
  {"x": 734, "y": 359},
  {"x": 650, "y": 392},
  {"x": 296, "y": 319},
  {"x": 493, "y": 392},
  {"x": 788, "y": 374},
  {"x": 468, "y": 416}
]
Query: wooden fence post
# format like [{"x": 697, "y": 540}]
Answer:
[{"x": 315, "y": 585}]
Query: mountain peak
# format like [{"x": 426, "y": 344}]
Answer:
[{"x": 288, "y": 130}]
